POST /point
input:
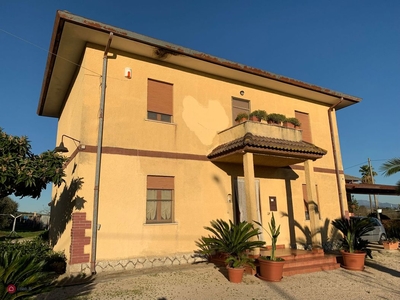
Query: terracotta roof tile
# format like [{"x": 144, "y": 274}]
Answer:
[{"x": 254, "y": 141}]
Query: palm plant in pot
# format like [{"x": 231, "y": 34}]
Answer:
[
  {"x": 354, "y": 248},
  {"x": 229, "y": 241},
  {"x": 236, "y": 265},
  {"x": 271, "y": 267}
]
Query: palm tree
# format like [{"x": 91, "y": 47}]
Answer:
[
  {"x": 365, "y": 171},
  {"x": 392, "y": 166}
]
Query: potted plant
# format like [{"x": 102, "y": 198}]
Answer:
[
  {"x": 354, "y": 248},
  {"x": 228, "y": 239},
  {"x": 291, "y": 123},
  {"x": 276, "y": 118},
  {"x": 271, "y": 267},
  {"x": 258, "y": 115},
  {"x": 242, "y": 117},
  {"x": 391, "y": 244},
  {"x": 236, "y": 266},
  {"x": 56, "y": 261}
]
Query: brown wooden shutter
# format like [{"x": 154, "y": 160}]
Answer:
[
  {"x": 159, "y": 97},
  {"x": 160, "y": 183},
  {"x": 239, "y": 106},
  {"x": 305, "y": 125}
]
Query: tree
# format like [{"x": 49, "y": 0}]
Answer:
[
  {"x": 366, "y": 173},
  {"x": 392, "y": 166},
  {"x": 7, "y": 207},
  {"x": 23, "y": 173},
  {"x": 353, "y": 204}
]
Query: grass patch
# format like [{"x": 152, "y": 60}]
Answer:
[{"x": 5, "y": 234}]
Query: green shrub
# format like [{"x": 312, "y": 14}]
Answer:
[
  {"x": 392, "y": 228},
  {"x": 56, "y": 262},
  {"x": 39, "y": 249},
  {"x": 260, "y": 114},
  {"x": 276, "y": 118},
  {"x": 35, "y": 247}
]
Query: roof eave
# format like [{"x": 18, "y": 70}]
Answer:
[{"x": 63, "y": 16}]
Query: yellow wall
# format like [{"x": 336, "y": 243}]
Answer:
[{"x": 202, "y": 108}]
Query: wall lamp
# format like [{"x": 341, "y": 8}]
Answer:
[{"x": 61, "y": 147}]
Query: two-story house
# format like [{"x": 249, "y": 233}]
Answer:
[{"x": 156, "y": 154}]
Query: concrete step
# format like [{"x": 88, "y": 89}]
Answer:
[
  {"x": 290, "y": 271},
  {"x": 301, "y": 262}
]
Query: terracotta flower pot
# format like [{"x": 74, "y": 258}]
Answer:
[
  {"x": 288, "y": 125},
  {"x": 235, "y": 274},
  {"x": 353, "y": 261},
  {"x": 270, "y": 270},
  {"x": 390, "y": 246}
]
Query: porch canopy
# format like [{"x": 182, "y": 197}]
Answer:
[
  {"x": 372, "y": 189},
  {"x": 270, "y": 145}
]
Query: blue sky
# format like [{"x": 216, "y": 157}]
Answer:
[{"x": 348, "y": 46}]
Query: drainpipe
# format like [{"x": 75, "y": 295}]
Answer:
[
  {"x": 335, "y": 157},
  {"x": 98, "y": 159}
]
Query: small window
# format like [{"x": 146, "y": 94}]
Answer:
[
  {"x": 273, "y": 206},
  {"x": 159, "y": 200},
  {"x": 159, "y": 101}
]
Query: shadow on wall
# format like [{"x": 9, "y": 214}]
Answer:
[
  {"x": 61, "y": 210},
  {"x": 328, "y": 239}
]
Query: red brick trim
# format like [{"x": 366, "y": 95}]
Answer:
[{"x": 78, "y": 238}]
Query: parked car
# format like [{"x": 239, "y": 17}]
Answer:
[{"x": 376, "y": 235}]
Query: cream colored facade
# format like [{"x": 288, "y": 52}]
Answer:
[{"x": 135, "y": 147}]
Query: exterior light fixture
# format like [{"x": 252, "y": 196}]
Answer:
[
  {"x": 61, "y": 147},
  {"x": 241, "y": 93}
]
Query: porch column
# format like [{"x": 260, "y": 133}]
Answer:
[
  {"x": 250, "y": 186},
  {"x": 312, "y": 203}
]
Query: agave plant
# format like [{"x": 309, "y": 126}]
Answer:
[
  {"x": 352, "y": 230},
  {"x": 24, "y": 272},
  {"x": 230, "y": 238}
]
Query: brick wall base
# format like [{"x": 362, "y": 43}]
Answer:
[{"x": 79, "y": 239}]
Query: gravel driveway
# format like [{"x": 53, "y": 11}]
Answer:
[{"x": 379, "y": 280}]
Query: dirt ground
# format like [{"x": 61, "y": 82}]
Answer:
[{"x": 379, "y": 280}]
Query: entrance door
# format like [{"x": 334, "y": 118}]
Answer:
[{"x": 240, "y": 209}]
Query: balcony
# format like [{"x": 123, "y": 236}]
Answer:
[{"x": 271, "y": 145}]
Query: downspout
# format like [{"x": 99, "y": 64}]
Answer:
[
  {"x": 98, "y": 159},
  {"x": 335, "y": 156}
]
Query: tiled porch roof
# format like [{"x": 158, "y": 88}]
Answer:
[{"x": 260, "y": 144}]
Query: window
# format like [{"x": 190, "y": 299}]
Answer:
[
  {"x": 159, "y": 101},
  {"x": 304, "y": 119},
  {"x": 273, "y": 206},
  {"x": 159, "y": 200},
  {"x": 239, "y": 106}
]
